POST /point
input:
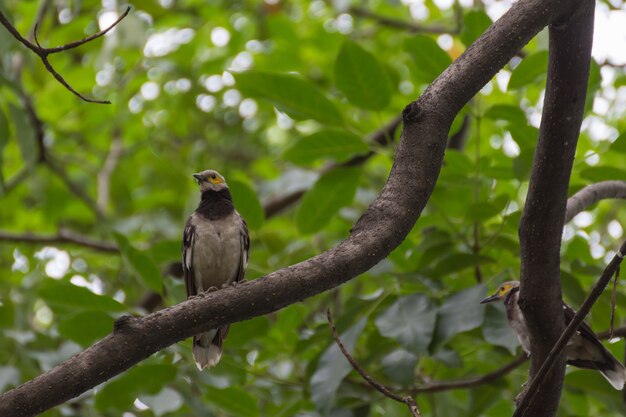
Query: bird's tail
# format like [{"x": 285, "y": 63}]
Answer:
[
  {"x": 207, "y": 347},
  {"x": 614, "y": 372}
]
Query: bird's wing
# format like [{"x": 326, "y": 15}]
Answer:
[
  {"x": 583, "y": 329},
  {"x": 189, "y": 236},
  {"x": 245, "y": 250}
]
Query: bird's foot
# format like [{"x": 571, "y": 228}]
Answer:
[{"x": 212, "y": 289}]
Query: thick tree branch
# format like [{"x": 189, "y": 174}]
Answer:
[
  {"x": 43, "y": 53},
  {"x": 532, "y": 392},
  {"x": 593, "y": 193},
  {"x": 382, "y": 228},
  {"x": 543, "y": 217}
]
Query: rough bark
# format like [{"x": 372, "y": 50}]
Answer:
[{"x": 543, "y": 217}]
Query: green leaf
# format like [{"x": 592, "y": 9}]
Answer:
[
  {"x": 430, "y": 60},
  {"x": 64, "y": 294},
  {"x": 411, "y": 321},
  {"x": 86, "y": 327},
  {"x": 458, "y": 261},
  {"x": 164, "y": 402},
  {"x": 399, "y": 366},
  {"x": 361, "y": 77},
  {"x": 619, "y": 145},
  {"x": 335, "y": 144},
  {"x": 511, "y": 114},
  {"x": 484, "y": 210},
  {"x": 482, "y": 398},
  {"x": 4, "y": 130},
  {"x": 234, "y": 400},
  {"x": 332, "y": 368},
  {"x": 247, "y": 203},
  {"x": 119, "y": 394},
  {"x": 332, "y": 191},
  {"x": 26, "y": 138},
  {"x": 475, "y": 22},
  {"x": 523, "y": 163},
  {"x": 140, "y": 263},
  {"x": 8, "y": 376},
  {"x": 529, "y": 70},
  {"x": 297, "y": 97},
  {"x": 496, "y": 329},
  {"x": 459, "y": 313},
  {"x": 603, "y": 173}
]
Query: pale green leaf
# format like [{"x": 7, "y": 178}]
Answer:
[
  {"x": 496, "y": 329},
  {"x": 430, "y": 60},
  {"x": 459, "y": 313},
  {"x": 411, "y": 321},
  {"x": 295, "y": 96},
  {"x": 619, "y": 145},
  {"x": 26, "y": 137},
  {"x": 331, "y": 192},
  {"x": 247, "y": 203},
  {"x": 86, "y": 327},
  {"x": 335, "y": 144},
  {"x": 530, "y": 69},
  {"x": 475, "y": 22},
  {"x": 120, "y": 393},
  {"x": 140, "y": 263},
  {"x": 362, "y": 79},
  {"x": 332, "y": 368},
  {"x": 64, "y": 294}
]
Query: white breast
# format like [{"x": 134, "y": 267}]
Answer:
[{"x": 217, "y": 251}]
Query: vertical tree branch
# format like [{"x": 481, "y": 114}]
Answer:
[{"x": 543, "y": 217}]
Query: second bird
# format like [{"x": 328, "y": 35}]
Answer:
[
  {"x": 215, "y": 252},
  {"x": 584, "y": 349}
]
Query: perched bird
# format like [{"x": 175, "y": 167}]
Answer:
[
  {"x": 215, "y": 253},
  {"x": 584, "y": 349}
]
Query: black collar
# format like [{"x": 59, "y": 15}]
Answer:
[{"x": 215, "y": 205}]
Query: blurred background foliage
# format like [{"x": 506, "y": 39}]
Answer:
[{"x": 276, "y": 95}]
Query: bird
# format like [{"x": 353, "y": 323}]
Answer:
[
  {"x": 215, "y": 251},
  {"x": 584, "y": 350}
]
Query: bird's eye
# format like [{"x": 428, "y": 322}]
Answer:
[{"x": 213, "y": 176}]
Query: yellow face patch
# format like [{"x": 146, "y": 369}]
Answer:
[
  {"x": 214, "y": 179},
  {"x": 504, "y": 289}
]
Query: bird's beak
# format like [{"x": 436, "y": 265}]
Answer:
[
  {"x": 199, "y": 177},
  {"x": 490, "y": 299}
]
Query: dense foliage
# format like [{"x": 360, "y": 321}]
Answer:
[{"x": 275, "y": 96}]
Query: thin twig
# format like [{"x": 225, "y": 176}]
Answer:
[
  {"x": 578, "y": 318},
  {"x": 104, "y": 176},
  {"x": 63, "y": 236},
  {"x": 76, "y": 189},
  {"x": 438, "y": 386},
  {"x": 411, "y": 27},
  {"x": 408, "y": 400},
  {"x": 43, "y": 53}
]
